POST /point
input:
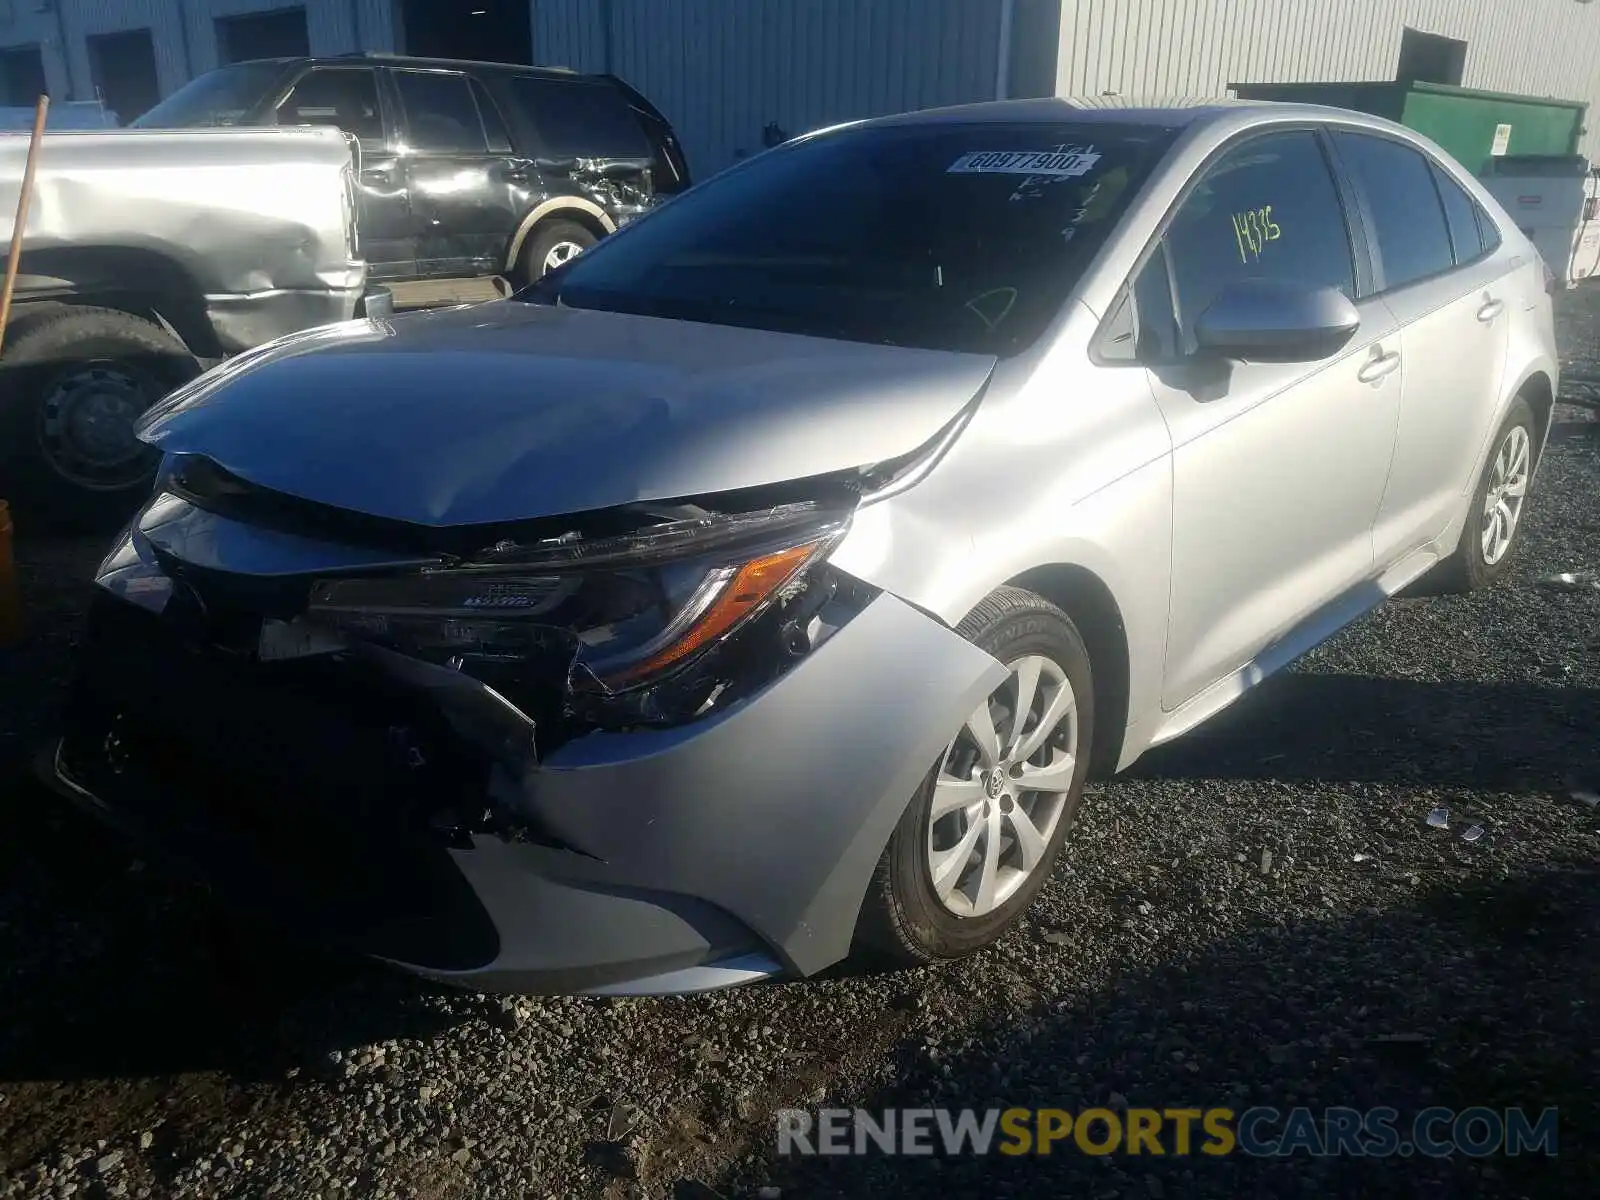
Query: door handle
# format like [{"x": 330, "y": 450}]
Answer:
[
  {"x": 1377, "y": 367},
  {"x": 1490, "y": 310},
  {"x": 377, "y": 174}
]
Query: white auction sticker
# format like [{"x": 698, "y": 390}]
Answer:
[{"x": 1067, "y": 162}]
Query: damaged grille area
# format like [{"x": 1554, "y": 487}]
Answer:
[
  {"x": 650, "y": 617},
  {"x": 647, "y": 614},
  {"x": 308, "y": 788}
]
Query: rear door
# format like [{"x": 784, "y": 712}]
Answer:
[
  {"x": 349, "y": 98},
  {"x": 671, "y": 169},
  {"x": 1278, "y": 468},
  {"x": 1447, "y": 289},
  {"x": 588, "y": 140},
  {"x": 458, "y": 173}
]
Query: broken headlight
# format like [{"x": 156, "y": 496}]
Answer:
[{"x": 603, "y": 616}]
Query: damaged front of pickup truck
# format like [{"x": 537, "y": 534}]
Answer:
[{"x": 554, "y": 695}]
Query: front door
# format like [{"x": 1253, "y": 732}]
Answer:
[
  {"x": 462, "y": 187},
  {"x": 349, "y": 98},
  {"x": 1278, "y": 468}
]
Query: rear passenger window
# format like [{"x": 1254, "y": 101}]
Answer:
[
  {"x": 494, "y": 125},
  {"x": 440, "y": 115},
  {"x": 1488, "y": 231},
  {"x": 581, "y": 120},
  {"x": 1413, "y": 239},
  {"x": 1267, "y": 210},
  {"x": 1461, "y": 214}
]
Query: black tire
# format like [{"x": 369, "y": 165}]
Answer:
[
  {"x": 545, "y": 238},
  {"x": 1467, "y": 570},
  {"x": 902, "y": 917},
  {"x": 58, "y": 361}
]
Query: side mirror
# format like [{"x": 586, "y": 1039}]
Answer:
[{"x": 1272, "y": 320}]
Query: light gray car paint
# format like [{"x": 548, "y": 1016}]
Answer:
[
  {"x": 527, "y": 411},
  {"x": 262, "y": 221},
  {"x": 1151, "y": 490},
  {"x": 671, "y": 824},
  {"x": 1265, "y": 319},
  {"x": 1232, "y": 533}
]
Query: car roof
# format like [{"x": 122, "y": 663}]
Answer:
[
  {"x": 404, "y": 60},
  {"x": 1169, "y": 112}
]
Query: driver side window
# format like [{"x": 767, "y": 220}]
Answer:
[
  {"x": 1268, "y": 209},
  {"x": 345, "y": 97}
]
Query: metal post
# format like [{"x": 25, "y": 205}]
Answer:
[
  {"x": 18, "y": 232},
  {"x": 1002, "y": 66}
]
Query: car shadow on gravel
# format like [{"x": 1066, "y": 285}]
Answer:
[
  {"x": 115, "y": 968},
  {"x": 1358, "y": 728},
  {"x": 1475, "y": 996}
]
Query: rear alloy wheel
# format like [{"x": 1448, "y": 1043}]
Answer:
[
  {"x": 1504, "y": 497},
  {"x": 981, "y": 835},
  {"x": 1499, "y": 503}
]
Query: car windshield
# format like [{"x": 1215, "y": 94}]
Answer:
[
  {"x": 222, "y": 97},
  {"x": 949, "y": 236}
]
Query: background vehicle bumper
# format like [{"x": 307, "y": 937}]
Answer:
[{"x": 242, "y": 322}]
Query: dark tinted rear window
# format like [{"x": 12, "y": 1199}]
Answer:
[
  {"x": 1461, "y": 212},
  {"x": 960, "y": 237},
  {"x": 1413, "y": 239},
  {"x": 494, "y": 125},
  {"x": 441, "y": 116},
  {"x": 1488, "y": 232},
  {"x": 580, "y": 119}
]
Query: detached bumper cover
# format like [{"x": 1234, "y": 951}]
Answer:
[{"x": 663, "y": 860}]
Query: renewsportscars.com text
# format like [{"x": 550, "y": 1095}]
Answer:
[{"x": 1258, "y": 1132}]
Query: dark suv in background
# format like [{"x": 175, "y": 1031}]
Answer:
[{"x": 466, "y": 168}]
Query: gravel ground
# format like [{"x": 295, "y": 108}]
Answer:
[{"x": 1259, "y": 914}]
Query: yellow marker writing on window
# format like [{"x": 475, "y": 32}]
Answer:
[{"x": 1252, "y": 230}]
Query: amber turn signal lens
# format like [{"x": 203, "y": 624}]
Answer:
[{"x": 752, "y": 586}]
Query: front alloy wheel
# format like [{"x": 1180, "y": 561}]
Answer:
[
  {"x": 981, "y": 835},
  {"x": 1001, "y": 789}
]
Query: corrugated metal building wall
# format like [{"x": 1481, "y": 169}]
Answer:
[
  {"x": 1199, "y": 47},
  {"x": 184, "y": 32},
  {"x": 722, "y": 69}
]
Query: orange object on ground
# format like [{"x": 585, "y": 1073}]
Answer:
[{"x": 10, "y": 594}]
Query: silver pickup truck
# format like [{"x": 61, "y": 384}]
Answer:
[{"x": 148, "y": 257}]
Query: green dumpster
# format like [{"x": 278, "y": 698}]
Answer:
[{"x": 1473, "y": 126}]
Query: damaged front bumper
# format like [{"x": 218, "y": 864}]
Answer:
[{"x": 712, "y": 852}]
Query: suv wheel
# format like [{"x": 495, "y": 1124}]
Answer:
[{"x": 553, "y": 244}]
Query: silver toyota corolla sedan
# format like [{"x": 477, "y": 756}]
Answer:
[{"x": 766, "y": 581}]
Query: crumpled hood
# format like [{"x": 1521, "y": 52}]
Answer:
[{"x": 512, "y": 411}]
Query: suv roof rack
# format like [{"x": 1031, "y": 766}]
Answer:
[{"x": 435, "y": 58}]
